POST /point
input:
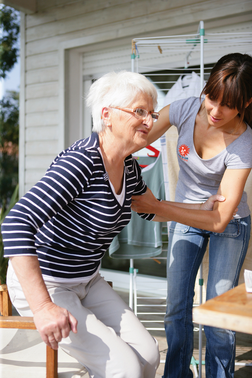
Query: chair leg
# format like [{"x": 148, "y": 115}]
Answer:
[
  {"x": 51, "y": 363},
  {"x": 5, "y": 302}
]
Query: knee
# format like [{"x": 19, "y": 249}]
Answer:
[
  {"x": 155, "y": 355},
  {"x": 128, "y": 365},
  {"x": 144, "y": 364},
  {"x": 220, "y": 334},
  {"x": 150, "y": 359}
]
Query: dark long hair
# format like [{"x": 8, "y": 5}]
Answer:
[{"x": 232, "y": 77}]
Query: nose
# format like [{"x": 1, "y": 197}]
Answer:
[
  {"x": 148, "y": 120},
  {"x": 216, "y": 109}
]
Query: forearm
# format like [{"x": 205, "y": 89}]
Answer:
[
  {"x": 161, "y": 126},
  {"x": 180, "y": 205},
  {"x": 190, "y": 215},
  {"x": 29, "y": 275}
]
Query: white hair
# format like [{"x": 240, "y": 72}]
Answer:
[{"x": 117, "y": 89}]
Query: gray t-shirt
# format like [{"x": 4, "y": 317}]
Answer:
[{"x": 199, "y": 178}]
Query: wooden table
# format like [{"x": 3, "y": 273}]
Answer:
[{"x": 231, "y": 310}]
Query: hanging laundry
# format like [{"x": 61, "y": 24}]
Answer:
[
  {"x": 142, "y": 239},
  {"x": 186, "y": 86}
]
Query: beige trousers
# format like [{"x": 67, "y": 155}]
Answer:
[{"x": 110, "y": 342}]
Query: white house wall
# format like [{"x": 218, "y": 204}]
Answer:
[{"x": 63, "y": 34}]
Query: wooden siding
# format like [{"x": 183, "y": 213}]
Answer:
[{"x": 104, "y": 28}]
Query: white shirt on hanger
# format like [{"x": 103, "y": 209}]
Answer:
[{"x": 186, "y": 86}]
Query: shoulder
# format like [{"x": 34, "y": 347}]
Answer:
[
  {"x": 246, "y": 137},
  {"x": 81, "y": 155},
  {"x": 187, "y": 103},
  {"x": 132, "y": 165},
  {"x": 239, "y": 153},
  {"x": 181, "y": 110}
]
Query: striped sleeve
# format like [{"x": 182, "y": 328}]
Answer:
[{"x": 63, "y": 182}]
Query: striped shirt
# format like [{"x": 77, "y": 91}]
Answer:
[{"x": 70, "y": 217}]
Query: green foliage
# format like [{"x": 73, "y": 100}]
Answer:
[
  {"x": 9, "y": 25},
  {"x": 3, "y": 213},
  {"x": 9, "y": 134},
  {"x": 9, "y": 125}
]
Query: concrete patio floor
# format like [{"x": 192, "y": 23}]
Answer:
[{"x": 23, "y": 354}]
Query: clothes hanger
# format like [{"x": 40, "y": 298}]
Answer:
[
  {"x": 156, "y": 153},
  {"x": 153, "y": 149}
]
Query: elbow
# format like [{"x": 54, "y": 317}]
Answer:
[{"x": 220, "y": 227}]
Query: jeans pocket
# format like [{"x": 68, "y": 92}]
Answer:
[
  {"x": 178, "y": 228},
  {"x": 233, "y": 230}
]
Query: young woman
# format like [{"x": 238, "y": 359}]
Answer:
[{"x": 215, "y": 156}]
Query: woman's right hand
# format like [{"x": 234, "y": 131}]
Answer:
[{"x": 54, "y": 323}]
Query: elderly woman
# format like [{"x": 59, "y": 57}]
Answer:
[{"x": 57, "y": 234}]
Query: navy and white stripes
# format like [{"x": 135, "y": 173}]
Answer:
[{"x": 70, "y": 217}]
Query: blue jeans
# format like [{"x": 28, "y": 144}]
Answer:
[{"x": 227, "y": 252}]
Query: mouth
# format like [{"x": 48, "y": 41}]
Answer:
[
  {"x": 213, "y": 119},
  {"x": 146, "y": 132}
]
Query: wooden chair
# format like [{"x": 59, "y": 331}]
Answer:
[{"x": 25, "y": 322}]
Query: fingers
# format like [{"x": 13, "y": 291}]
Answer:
[
  {"x": 52, "y": 342},
  {"x": 54, "y": 325},
  {"x": 235, "y": 212},
  {"x": 217, "y": 197},
  {"x": 55, "y": 337},
  {"x": 73, "y": 323}
]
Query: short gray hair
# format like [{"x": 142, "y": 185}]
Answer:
[{"x": 117, "y": 89}]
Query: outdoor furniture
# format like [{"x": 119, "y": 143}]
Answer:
[
  {"x": 24, "y": 322},
  {"x": 231, "y": 310}
]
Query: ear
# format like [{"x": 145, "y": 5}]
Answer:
[
  {"x": 106, "y": 116},
  {"x": 248, "y": 103}
]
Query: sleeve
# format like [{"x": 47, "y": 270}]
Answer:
[
  {"x": 239, "y": 153},
  {"x": 181, "y": 111},
  {"x": 63, "y": 182}
]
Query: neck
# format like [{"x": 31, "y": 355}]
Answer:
[
  {"x": 111, "y": 151},
  {"x": 236, "y": 128}
]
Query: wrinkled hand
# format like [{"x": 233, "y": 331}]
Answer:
[
  {"x": 54, "y": 323},
  {"x": 209, "y": 204}
]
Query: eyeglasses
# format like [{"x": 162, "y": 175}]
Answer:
[{"x": 139, "y": 112}]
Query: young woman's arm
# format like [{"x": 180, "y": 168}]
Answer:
[
  {"x": 161, "y": 126},
  {"x": 231, "y": 187}
]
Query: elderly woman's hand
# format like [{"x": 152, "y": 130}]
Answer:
[{"x": 54, "y": 323}]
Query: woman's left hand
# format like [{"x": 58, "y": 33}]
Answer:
[{"x": 209, "y": 204}]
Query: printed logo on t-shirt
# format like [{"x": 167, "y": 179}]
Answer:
[{"x": 183, "y": 151}]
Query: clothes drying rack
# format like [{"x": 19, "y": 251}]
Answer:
[{"x": 176, "y": 55}]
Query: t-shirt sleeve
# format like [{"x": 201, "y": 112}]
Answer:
[
  {"x": 239, "y": 153},
  {"x": 181, "y": 110}
]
